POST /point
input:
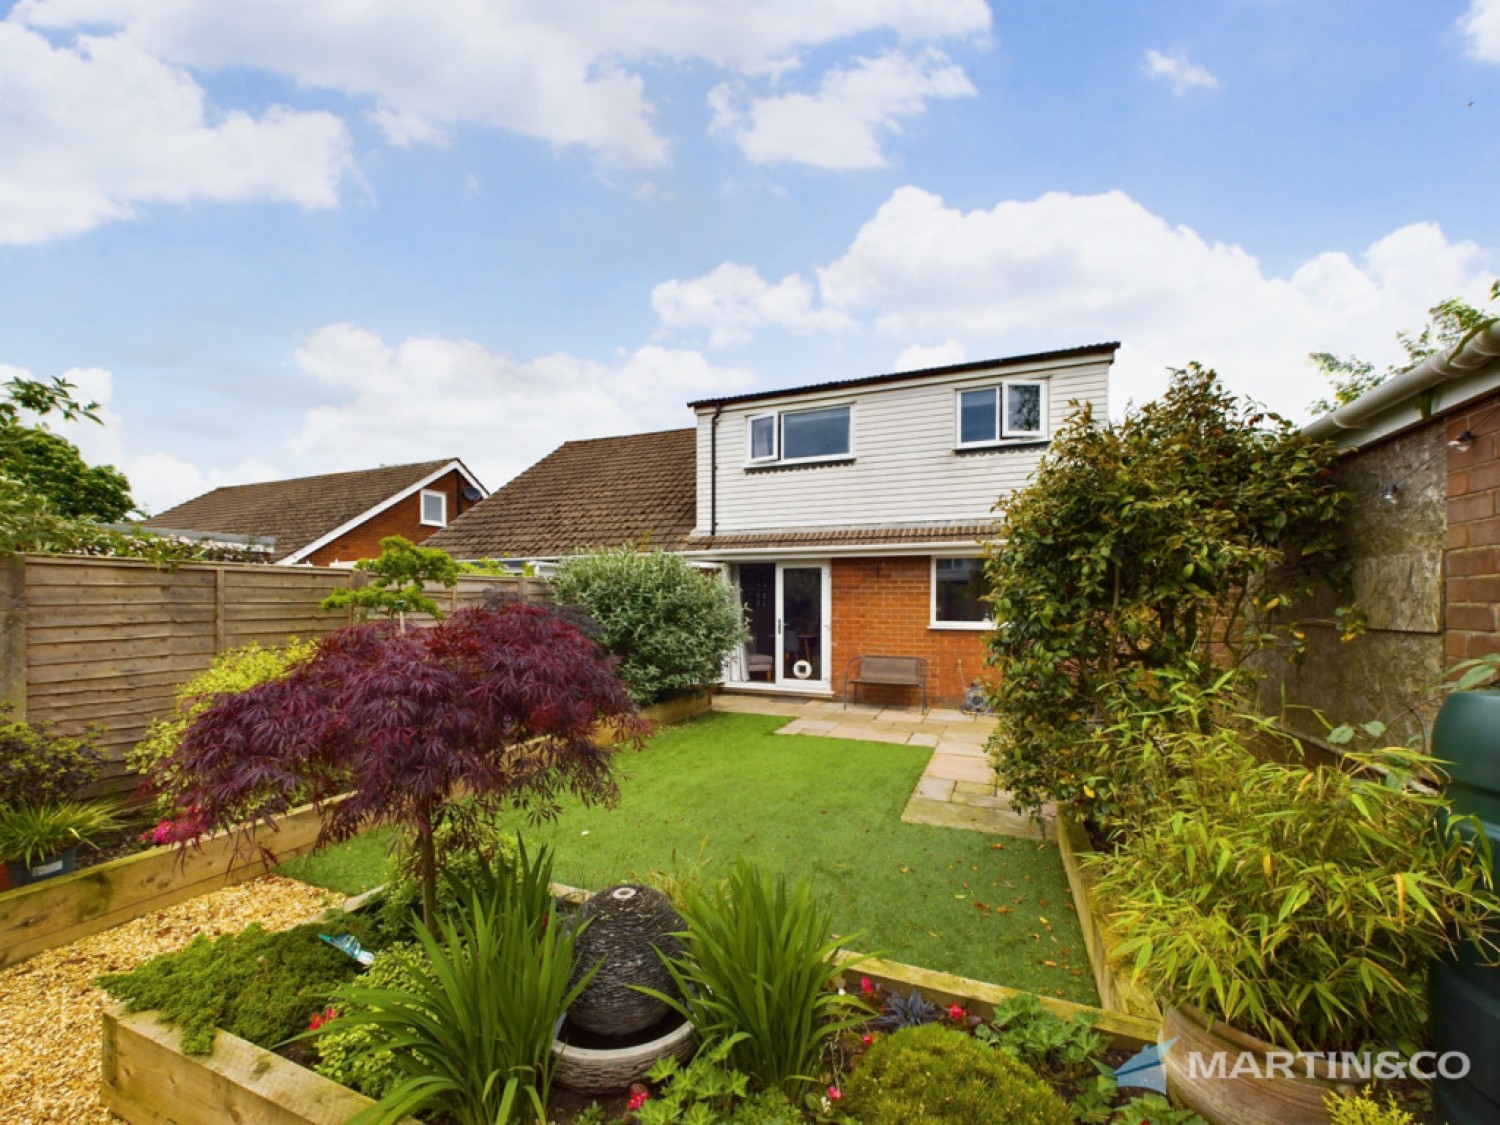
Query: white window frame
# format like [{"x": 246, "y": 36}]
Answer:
[
  {"x": 442, "y": 498},
  {"x": 775, "y": 454},
  {"x": 778, "y": 416},
  {"x": 985, "y": 626},
  {"x": 1003, "y": 433}
]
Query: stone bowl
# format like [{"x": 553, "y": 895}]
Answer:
[{"x": 596, "y": 1070}]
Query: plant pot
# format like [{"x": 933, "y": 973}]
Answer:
[
  {"x": 595, "y": 1070},
  {"x": 23, "y": 876},
  {"x": 1262, "y": 1093}
]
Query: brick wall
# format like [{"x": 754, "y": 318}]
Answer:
[
  {"x": 404, "y": 518},
  {"x": 1472, "y": 558},
  {"x": 883, "y": 606}
]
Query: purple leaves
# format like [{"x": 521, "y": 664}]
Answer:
[{"x": 497, "y": 705}]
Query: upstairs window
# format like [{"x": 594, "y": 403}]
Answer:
[
  {"x": 800, "y": 435},
  {"x": 1009, "y": 411},
  {"x": 434, "y": 508}
]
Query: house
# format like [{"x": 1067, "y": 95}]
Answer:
[
  {"x": 337, "y": 518},
  {"x": 1422, "y": 462},
  {"x": 849, "y": 516}
]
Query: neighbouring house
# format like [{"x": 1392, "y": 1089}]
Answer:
[
  {"x": 849, "y": 516},
  {"x": 1423, "y": 535},
  {"x": 335, "y": 519}
]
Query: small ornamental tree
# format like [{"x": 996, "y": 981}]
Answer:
[
  {"x": 1145, "y": 557},
  {"x": 502, "y": 706},
  {"x": 400, "y": 575},
  {"x": 669, "y": 625}
]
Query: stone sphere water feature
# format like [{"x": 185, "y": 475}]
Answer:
[{"x": 613, "y": 1034}]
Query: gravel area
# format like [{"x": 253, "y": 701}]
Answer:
[{"x": 49, "y": 1009}]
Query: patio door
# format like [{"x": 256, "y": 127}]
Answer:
[{"x": 786, "y": 609}]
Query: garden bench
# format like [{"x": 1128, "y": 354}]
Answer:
[{"x": 886, "y": 671}]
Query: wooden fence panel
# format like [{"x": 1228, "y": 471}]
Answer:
[{"x": 107, "y": 642}]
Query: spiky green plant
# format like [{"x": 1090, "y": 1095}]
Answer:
[
  {"x": 759, "y": 966},
  {"x": 30, "y": 834}
]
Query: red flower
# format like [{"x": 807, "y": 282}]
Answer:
[
  {"x": 327, "y": 1015},
  {"x": 867, "y": 1039},
  {"x": 834, "y": 1093},
  {"x": 955, "y": 1013},
  {"x": 865, "y": 986},
  {"x": 638, "y": 1099}
]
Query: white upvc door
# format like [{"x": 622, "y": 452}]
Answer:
[{"x": 803, "y": 637}]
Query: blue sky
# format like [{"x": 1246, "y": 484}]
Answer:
[{"x": 285, "y": 237}]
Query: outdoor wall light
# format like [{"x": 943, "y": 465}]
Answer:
[
  {"x": 1462, "y": 442},
  {"x": 1392, "y": 494}
]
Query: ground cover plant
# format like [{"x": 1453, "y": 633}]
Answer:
[{"x": 824, "y": 810}]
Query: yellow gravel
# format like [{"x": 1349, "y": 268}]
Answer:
[{"x": 49, "y": 1009}]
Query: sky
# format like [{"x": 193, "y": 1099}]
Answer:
[{"x": 276, "y": 238}]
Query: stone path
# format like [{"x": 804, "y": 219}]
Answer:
[{"x": 956, "y": 790}]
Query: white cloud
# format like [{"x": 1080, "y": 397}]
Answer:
[
  {"x": 92, "y": 132},
  {"x": 558, "y": 72},
  {"x": 731, "y": 301},
  {"x": 430, "y": 396},
  {"x": 844, "y": 123},
  {"x": 1181, "y": 74},
  {"x": 1065, "y": 270},
  {"x": 919, "y": 357},
  {"x": 159, "y": 481},
  {"x": 1481, "y": 27}
]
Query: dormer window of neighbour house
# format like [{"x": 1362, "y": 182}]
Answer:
[
  {"x": 789, "y": 436},
  {"x": 434, "y": 508},
  {"x": 1013, "y": 410}
]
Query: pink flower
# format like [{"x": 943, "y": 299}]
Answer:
[
  {"x": 327, "y": 1015},
  {"x": 955, "y": 1013},
  {"x": 866, "y": 986},
  {"x": 867, "y": 1039},
  {"x": 834, "y": 1093},
  {"x": 637, "y": 1100}
]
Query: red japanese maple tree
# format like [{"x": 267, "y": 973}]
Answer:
[{"x": 501, "y": 706}]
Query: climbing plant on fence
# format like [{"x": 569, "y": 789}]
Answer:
[{"x": 1152, "y": 552}]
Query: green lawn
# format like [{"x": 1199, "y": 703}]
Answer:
[{"x": 825, "y": 810}]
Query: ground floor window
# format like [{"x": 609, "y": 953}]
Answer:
[{"x": 957, "y": 592}]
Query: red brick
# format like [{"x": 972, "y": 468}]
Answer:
[
  {"x": 1483, "y": 533},
  {"x": 1458, "y": 484},
  {"x": 1482, "y": 477},
  {"x": 1472, "y": 618},
  {"x": 1475, "y": 506},
  {"x": 403, "y": 518},
  {"x": 1485, "y": 588},
  {"x": 1458, "y": 536},
  {"x": 1472, "y": 561}
]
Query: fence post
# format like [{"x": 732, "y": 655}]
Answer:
[
  {"x": 13, "y": 634},
  {"x": 219, "y": 583}
]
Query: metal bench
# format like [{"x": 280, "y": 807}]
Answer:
[{"x": 886, "y": 671}]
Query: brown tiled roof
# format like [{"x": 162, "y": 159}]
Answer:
[
  {"x": 600, "y": 493},
  {"x": 845, "y": 537},
  {"x": 895, "y": 376},
  {"x": 295, "y": 512}
]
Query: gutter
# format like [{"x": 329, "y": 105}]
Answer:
[
  {"x": 713, "y": 471},
  {"x": 1479, "y": 350}
]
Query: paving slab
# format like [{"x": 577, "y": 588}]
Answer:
[
  {"x": 862, "y": 733},
  {"x": 946, "y": 745},
  {"x": 956, "y": 767},
  {"x": 945, "y": 814},
  {"x": 922, "y": 740},
  {"x": 935, "y": 789}
]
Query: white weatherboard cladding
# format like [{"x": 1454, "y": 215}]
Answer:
[{"x": 904, "y": 470}]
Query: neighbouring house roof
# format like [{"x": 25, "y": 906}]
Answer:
[
  {"x": 299, "y": 513},
  {"x": 896, "y": 376},
  {"x": 604, "y": 492}
]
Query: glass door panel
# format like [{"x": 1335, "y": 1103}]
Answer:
[{"x": 801, "y": 647}]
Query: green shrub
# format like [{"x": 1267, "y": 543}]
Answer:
[
  {"x": 1365, "y": 1109},
  {"x": 261, "y": 986},
  {"x": 931, "y": 1075},
  {"x": 473, "y": 1037},
  {"x": 757, "y": 969},
  {"x": 32, "y": 834},
  {"x": 232, "y": 671},
  {"x": 465, "y": 853},
  {"x": 669, "y": 625},
  {"x": 40, "y": 766},
  {"x": 1059, "y": 1049},
  {"x": 1301, "y": 905},
  {"x": 344, "y": 1053}
]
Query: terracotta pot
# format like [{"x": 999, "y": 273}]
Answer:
[{"x": 1265, "y": 1095}]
